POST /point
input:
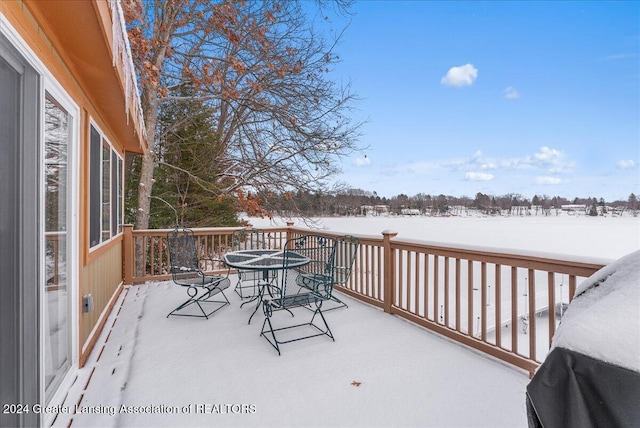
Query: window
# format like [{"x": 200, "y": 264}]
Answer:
[{"x": 106, "y": 189}]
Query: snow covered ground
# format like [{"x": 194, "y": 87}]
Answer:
[{"x": 380, "y": 371}]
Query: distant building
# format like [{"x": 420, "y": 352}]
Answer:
[
  {"x": 409, "y": 211},
  {"x": 573, "y": 208},
  {"x": 370, "y": 210}
]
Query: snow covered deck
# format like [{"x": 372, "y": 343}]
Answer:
[{"x": 147, "y": 370}]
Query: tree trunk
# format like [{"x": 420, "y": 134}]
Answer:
[
  {"x": 150, "y": 109},
  {"x": 143, "y": 208},
  {"x": 144, "y": 189}
]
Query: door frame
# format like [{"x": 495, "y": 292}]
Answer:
[{"x": 32, "y": 232}]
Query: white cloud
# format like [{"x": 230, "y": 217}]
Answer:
[
  {"x": 547, "y": 154},
  {"x": 547, "y": 159},
  {"x": 461, "y": 76},
  {"x": 626, "y": 164},
  {"x": 511, "y": 93},
  {"x": 363, "y": 161},
  {"x": 552, "y": 160},
  {"x": 478, "y": 176},
  {"x": 548, "y": 180}
]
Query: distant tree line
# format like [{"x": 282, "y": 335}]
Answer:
[
  {"x": 198, "y": 208},
  {"x": 358, "y": 202}
]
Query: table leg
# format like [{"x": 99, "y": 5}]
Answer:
[{"x": 261, "y": 288}]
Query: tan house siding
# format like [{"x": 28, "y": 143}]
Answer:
[
  {"x": 102, "y": 278},
  {"x": 74, "y": 41}
]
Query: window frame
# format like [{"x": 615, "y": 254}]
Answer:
[{"x": 105, "y": 224}]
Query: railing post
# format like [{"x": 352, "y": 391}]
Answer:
[
  {"x": 389, "y": 270},
  {"x": 128, "y": 259},
  {"x": 289, "y": 226}
]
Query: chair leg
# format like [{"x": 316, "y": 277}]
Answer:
[
  {"x": 239, "y": 289},
  {"x": 267, "y": 320},
  {"x": 327, "y": 330},
  {"x": 340, "y": 303},
  {"x": 270, "y": 331},
  {"x": 206, "y": 298}
]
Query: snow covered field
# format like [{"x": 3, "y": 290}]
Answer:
[{"x": 582, "y": 236}]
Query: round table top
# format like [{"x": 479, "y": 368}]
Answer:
[{"x": 264, "y": 259}]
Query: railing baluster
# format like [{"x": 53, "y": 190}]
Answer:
[
  {"x": 158, "y": 255},
  {"x": 361, "y": 273},
  {"x": 145, "y": 254},
  {"x": 572, "y": 287},
  {"x": 551, "y": 305},
  {"x": 369, "y": 270},
  {"x": 400, "y": 282},
  {"x": 483, "y": 301},
  {"x": 532, "y": 314},
  {"x": 152, "y": 255},
  {"x": 470, "y": 297},
  {"x": 436, "y": 287},
  {"x": 514, "y": 309},
  {"x": 446, "y": 291},
  {"x": 416, "y": 291},
  {"x": 379, "y": 294},
  {"x": 458, "y": 297},
  {"x": 498, "y": 304},
  {"x": 161, "y": 256}
]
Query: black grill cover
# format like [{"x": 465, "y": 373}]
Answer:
[{"x": 575, "y": 390}]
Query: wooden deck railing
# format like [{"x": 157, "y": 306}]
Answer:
[
  {"x": 507, "y": 305},
  {"x": 146, "y": 255}
]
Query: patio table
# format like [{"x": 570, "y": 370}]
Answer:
[{"x": 266, "y": 261}]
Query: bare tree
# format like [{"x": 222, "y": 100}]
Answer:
[{"x": 263, "y": 71}]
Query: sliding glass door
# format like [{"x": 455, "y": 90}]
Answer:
[
  {"x": 57, "y": 293},
  {"x": 19, "y": 236},
  {"x": 38, "y": 233}
]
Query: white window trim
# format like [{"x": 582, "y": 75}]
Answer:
[
  {"x": 103, "y": 139},
  {"x": 56, "y": 91}
]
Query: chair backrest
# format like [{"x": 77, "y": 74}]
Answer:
[
  {"x": 345, "y": 255},
  {"x": 320, "y": 250},
  {"x": 250, "y": 239},
  {"x": 183, "y": 252}
]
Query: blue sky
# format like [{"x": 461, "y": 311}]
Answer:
[{"x": 495, "y": 97}]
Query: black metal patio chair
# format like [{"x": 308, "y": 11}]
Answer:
[
  {"x": 249, "y": 280},
  {"x": 346, "y": 247},
  {"x": 318, "y": 281},
  {"x": 188, "y": 270}
]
